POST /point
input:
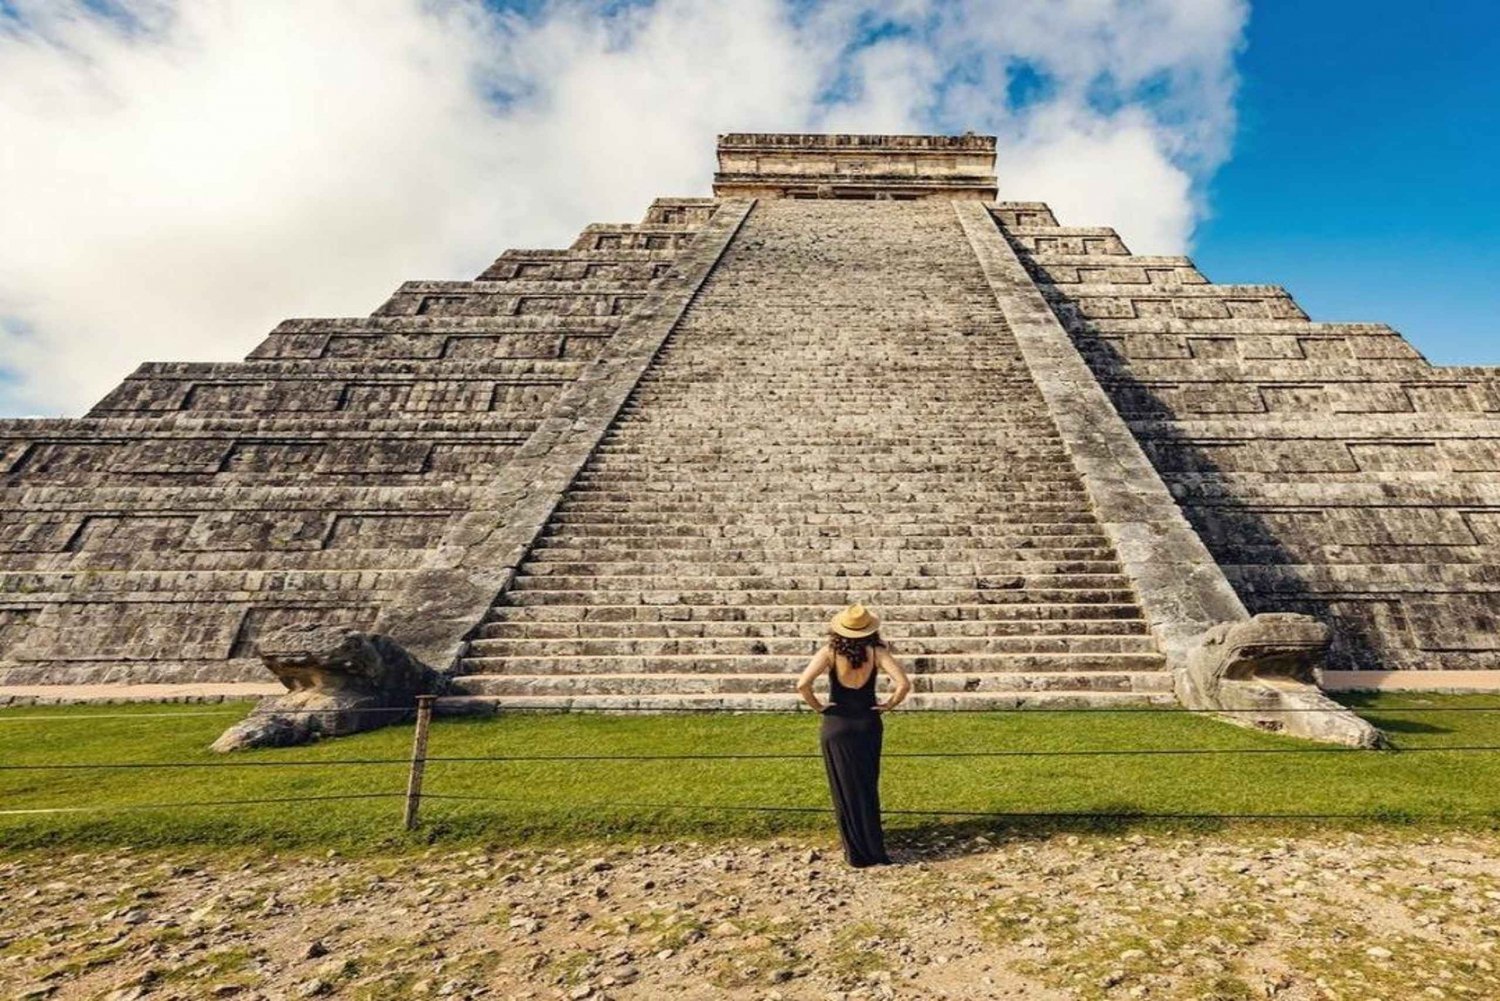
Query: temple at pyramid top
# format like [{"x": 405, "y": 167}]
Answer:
[{"x": 900, "y": 167}]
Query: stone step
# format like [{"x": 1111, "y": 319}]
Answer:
[
  {"x": 940, "y": 427},
  {"x": 754, "y": 702},
  {"x": 754, "y": 303},
  {"x": 698, "y": 468},
  {"x": 949, "y": 403},
  {"x": 899, "y": 499},
  {"x": 936, "y": 414},
  {"x": 800, "y": 646},
  {"x": 912, "y": 614},
  {"x": 892, "y": 445},
  {"x": 772, "y": 683},
  {"x": 737, "y": 381},
  {"x": 908, "y": 632},
  {"x": 709, "y": 481},
  {"x": 953, "y": 346},
  {"x": 624, "y": 452},
  {"x": 689, "y": 584},
  {"x": 946, "y": 400},
  {"x": 895, "y": 516},
  {"x": 1001, "y": 369},
  {"x": 893, "y": 492},
  {"x": 734, "y": 378},
  {"x": 985, "y": 663},
  {"x": 773, "y": 550},
  {"x": 766, "y": 453},
  {"x": 814, "y": 474},
  {"x": 914, "y": 534},
  {"x": 717, "y": 566},
  {"x": 753, "y": 528},
  {"x": 942, "y": 402},
  {"x": 825, "y": 597},
  {"x": 884, "y": 450},
  {"x": 896, "y": 498},
  {"x": 942, "y": 422},
  {"x": 800, "y": 323},
  {"x": 821, "y": 596},
  {"x": 888, "y": 355},
  {"x": 760, "y": 454},
  {"x": 710, "y": 468},
  {"x": 884, "y": 552},
  {"x": 881, "y": 437},
  {"x": 1000, "y": 373}
]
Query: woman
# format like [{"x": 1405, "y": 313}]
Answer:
[{"x": 851, "y": 729}]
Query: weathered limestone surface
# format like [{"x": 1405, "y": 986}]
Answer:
[
  {"x": 1181, "y": 588},
  {"x": 200, "y": 507},
  {"x": 476, "y": 559},
  {"x": 1259, "y": 670},
  {"x": 339, "y": 681},
  {"x": 826, "y": 424},
  {"x": 901, "y": 168},
  {"x": 1329, "y": 468},
  {"x": 643, "y": 469},
  {"x": 1262, "y": 672}
]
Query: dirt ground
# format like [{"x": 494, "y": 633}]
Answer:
[{"x": 1241, "y": 914}]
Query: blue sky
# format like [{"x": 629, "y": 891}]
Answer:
[
  {"x": 1364, "y": 169},
  {"x": 180, "y": 175}
]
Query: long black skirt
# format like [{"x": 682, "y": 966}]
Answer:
[{"x": 850, "y": 739}]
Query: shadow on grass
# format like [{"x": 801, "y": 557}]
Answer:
[
  {"x": 1396, "y": 724},
  {"x": 1385, "y": 710}
]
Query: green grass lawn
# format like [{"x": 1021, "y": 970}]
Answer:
[{"x": 555, "y": 801}]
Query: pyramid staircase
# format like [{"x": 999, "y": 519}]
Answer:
[{"x": 841, "y": 415}]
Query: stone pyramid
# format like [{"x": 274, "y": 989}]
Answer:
[{"x": 644, "y": 470}]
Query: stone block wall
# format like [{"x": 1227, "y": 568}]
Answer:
[
  {"x": 198, "y": 506},
  {"x": 1328, "y": 466},
  {"x": 803, "y": 165}
]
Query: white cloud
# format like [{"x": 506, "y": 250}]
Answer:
[
  {"x": 1137, "y": 103},
  {"x": 180, "y": 174},
  {"x": 175, "y": 187},
  {"x": 1104, "y": 172}
]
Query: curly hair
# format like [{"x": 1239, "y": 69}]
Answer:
[{"x": 854, "y": 649}]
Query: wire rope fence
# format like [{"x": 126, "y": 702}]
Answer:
[{"x": 415, "y": 765}]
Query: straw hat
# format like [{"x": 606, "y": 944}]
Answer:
[{"x": 854, "y": 622}]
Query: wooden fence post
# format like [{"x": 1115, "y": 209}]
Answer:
[{"x": 418, "y": 761}]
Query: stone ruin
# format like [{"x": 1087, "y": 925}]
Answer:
[{"x": 643, "y": 470}]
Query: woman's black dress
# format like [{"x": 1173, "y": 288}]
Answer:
[{"x": 850, "y": 736}]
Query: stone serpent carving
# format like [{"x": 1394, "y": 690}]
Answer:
[
  {"x": 1261, "y": 671},
  {"x": 339, "y": 681}
]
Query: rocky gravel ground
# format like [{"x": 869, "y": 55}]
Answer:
[{"x": 1241, "y": 914}]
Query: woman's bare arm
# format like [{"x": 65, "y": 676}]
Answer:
[
  {"x": 892, "y": 666},
  {"x": 820, "y": 662}
]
